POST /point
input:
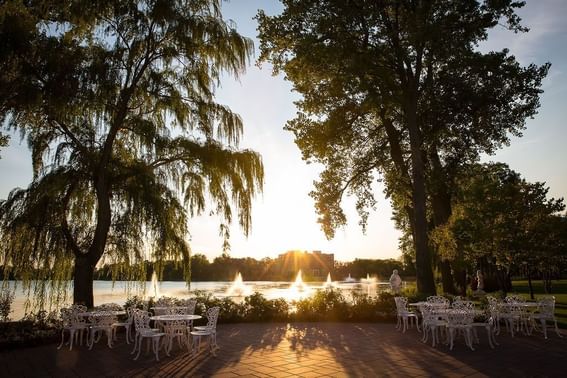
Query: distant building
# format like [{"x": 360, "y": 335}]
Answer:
[{"x": 315, "y": 264}]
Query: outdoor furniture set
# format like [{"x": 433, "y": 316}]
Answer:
[
  {"x": 442, "y": 320},
  {"x": 173, "y": 322}
]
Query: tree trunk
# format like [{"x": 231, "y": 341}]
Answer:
[
  {"x": 85, "y": 264},
  {"x": 441, "y": 204},
  {"x": 547, "y": 282},
  {"x": 461, "y": 281},
  {"x": 504, "y": 281},
  {"x": 530, "y": 285},
  {"x": 424, "y": 271},
  {"x": 83, "y": 282}
]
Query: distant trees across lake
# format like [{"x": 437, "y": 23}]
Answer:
[{"x": 224, "y": 268}]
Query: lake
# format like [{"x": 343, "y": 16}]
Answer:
[{"x": 107, "y": 292}]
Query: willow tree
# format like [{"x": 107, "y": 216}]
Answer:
[
  {"x": 365, "y": 69},
  {"x": 116, "y": 101}
]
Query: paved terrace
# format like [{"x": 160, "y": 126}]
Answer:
[{"x": 305, "y": 350}]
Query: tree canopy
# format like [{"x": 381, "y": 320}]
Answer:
[
  {"x": 392, "y": 90},
  {"x": 505, "y": 222},
  {"x": 116, "y": 101}
]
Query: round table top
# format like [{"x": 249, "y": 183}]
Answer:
[
  {"x": 434, "y": 304},
  {"x": 518, "y": 304},
  {"x": 101, "y": 313},
  {"x": 164, "y": 318}
]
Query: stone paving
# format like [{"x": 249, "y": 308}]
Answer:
[{"x": 303, "y": 350}]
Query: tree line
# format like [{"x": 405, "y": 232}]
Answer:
[{"x": 224, "y": 268}]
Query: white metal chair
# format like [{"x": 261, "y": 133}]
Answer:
[
  {"x": 74, "y": 324},
  {"x": 545, "y": 312},
  {"x": 488, "y": 325},
  {"x": 438, "y": 301},
  {"x": 514, "y": 313},
  {"x": 127, "y": 325},
  {"x": 433, "y": 323},
  {"x": 175, "y": 329},
  {"x": 101, "y": 322},
  {"x": 143, "y": 331},
  {"x": 460, "y": 320},
  {"x": 188, "y": 306},
  {"x": 209, "y": 331},
  {"x": 404, "y": 315}
]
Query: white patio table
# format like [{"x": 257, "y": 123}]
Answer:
[
  {"x": 165, "y": 319},
  {"x": 96, "y": 313},
  {"x": 162, "y": 310}
]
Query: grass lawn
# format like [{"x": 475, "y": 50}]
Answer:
[{"x": 558, "y": 290}]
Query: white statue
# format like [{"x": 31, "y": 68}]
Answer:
[
  {"x": 479, "y": 280},
  {"x": 395, "y": 282}
]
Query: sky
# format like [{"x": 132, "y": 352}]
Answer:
[{"x": 283, "y": 216}]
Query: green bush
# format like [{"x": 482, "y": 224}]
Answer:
[
  {"x": 328, "y": 305},
  {"x": 6, "y": 299},
  {"x": 136, "y": 302},
  {"x": 258, "y": 308},
  {"x": 34, "y": 329}
]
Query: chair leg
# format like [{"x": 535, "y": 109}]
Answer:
[
  {"x": 135, "y": 340},
  {"x": 557, "y": 329},
  {"x": 155, "y": 342},
  {"x": 468, "y": 338},
  {"x": 212, "y": 345},
  {"x": 489, "y": 335},
  {"x": 62, "y": 339},
  {"x": 544, "y": 327},
  {"x": 139, "y": 347},
  {"x": 90, "y": 339}
]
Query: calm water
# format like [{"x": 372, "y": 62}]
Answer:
[{"x": 106, "y": 292}]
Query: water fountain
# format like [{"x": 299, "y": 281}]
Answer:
[
  {"x": 369, "y": 281},
  {"x": 349, "y": 279},
  {"x": 329, "y": 283},
  {"x": 298, "y": 285},
  {"x": 238, "y": 288},
  {"x": 155, "y": 285}
]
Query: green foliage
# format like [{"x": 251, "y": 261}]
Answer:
[
  {"x": 261, "y": 309},
  {"x": 6, "y": 299},
  {"x": 230, "y": 311},
  {"x": 328, "y": 304},
  {"x": 117, "y": 102},
  {"x": 3, "y": 141},
  {"x": 501, "y": 218},
  {"x": 331, "y": 305},
  {"x": 396, "y": 90},
  {"x": 136, "y": 301},
  {"x": 35, "y": 328}
]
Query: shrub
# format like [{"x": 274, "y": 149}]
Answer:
[
  {"x": 6, "y": 299},
  {"x": 258, "y": 308},
  {"x": 136, "y": 302},
  {"x": 34, "y": 328},
  {"x": 328, "y": 304}
]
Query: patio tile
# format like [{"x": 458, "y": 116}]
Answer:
[{"x": 310, "y": 349}]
